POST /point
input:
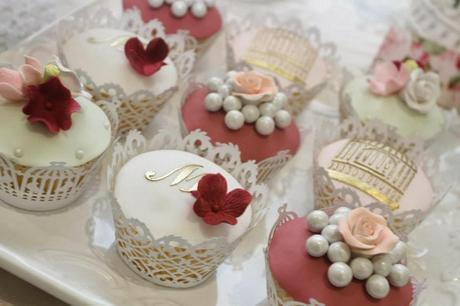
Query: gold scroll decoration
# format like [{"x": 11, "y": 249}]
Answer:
[
  {"x": 283, "y": 52},
  {"x": 374, "y": 168},
  {"x": 182, "y": 174}
]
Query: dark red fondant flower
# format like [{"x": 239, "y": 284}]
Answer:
[
  {"x": 146, "y": 61},
  {"x": 215, "y": 205},
  {"x": 51, "y": 104}
]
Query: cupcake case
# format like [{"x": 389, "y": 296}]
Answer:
[{"x": 70, "y": 253}]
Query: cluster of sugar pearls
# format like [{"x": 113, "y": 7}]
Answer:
[
  {"x": 265, "y": 116},
  {"x": 179, "y": 8},
  {"x": 379, "y": 271}
]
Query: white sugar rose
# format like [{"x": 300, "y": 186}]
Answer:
[{"x": 422, "y": 91}]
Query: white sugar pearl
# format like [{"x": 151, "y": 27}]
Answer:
[
  {"x": 317, "y": 220},
  {"x": 210, "y": 3},
  {"x": 399, "y": 252},
  {"x": 231, "y": 74},
  {"x": 267, "y": 109},
  {"x": 342, "y": 210},
  {"x": 331, "y": 233},
  {"x": 179, "y": 8},
  {"x": 339, "y": 252},
  {"x": 283, "y": 119},
  {"x": 362, "y": 268},
  {"x": 382, "y": 264},
  {"x": 234, "y": 120},
  {"x": 339, "y": 274},
  {"x": 213, "y": 102},
  {"x": 334, "y": 219},
  {"x": 199, "y": 9},
  {"x": 280, "y": 101},
  {"x": 18, "y": 153},
  {"x": 232, "y": 103},
  {"x": 399, "y": 275},
  {"x": 156, "y": 3},
  {"x": 224, "y": 90},
  {"x": 316, "y": 245},
  {"x": 265, "y": 125},
  {"x": 377, "y": 286},
  {"x": 251, "y": 113},
  {"x": 214, "y": 83}
]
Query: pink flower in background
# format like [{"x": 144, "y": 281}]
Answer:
[
  {"x": 446, "y": 65},
  {"x": 396, "y": 44},
  {"x": 418, "y": 53},
  {"x": 13, "y": 83},
  {"x": 388, "y": 78}
]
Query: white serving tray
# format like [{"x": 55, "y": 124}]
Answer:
[{"x": 69, "y": 253}]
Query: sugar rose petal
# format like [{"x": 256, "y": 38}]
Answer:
[
  {"x": 254, "y": 87},
  {"x": 388, "y": 79},
  {"x": 367, "y": 233}
]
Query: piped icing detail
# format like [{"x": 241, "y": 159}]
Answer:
[
  {"x": 47, "y": 91},
  {"x": 179, "y": 8},
  {"x": 248, "y": 97},
  {"x": 360, "y": 245},
  {"x": 214, "y": 205},
  {"x": 420, "y": 90}
]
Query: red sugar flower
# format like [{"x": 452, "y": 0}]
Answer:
[
  {"x": 215, "y": 205},
  {"x": 146, "y": 61},
  {"x": 51, "y": 104}
]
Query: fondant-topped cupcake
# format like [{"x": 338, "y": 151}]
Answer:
[
  {"x": 47, "y": 121},
  {"x": 378, "y": 172},
  {"x": 178, "y": 215},
  {"x": 181, "y": 194},
  {"x": 294, "y": 56},
  {"x": 246, "y": 109},
  {"x": 200, "y": 18},
  {"x": 348, "y": 258},
  {"x": 400, "y": 94},
  {"x": 135, "y": 71}
]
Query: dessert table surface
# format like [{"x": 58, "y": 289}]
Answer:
[{"x": 357, "y": 28}]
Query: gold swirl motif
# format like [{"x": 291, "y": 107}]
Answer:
[
  {"x": 374, "y": 168},
  {"x": 283, "y": 52},
  {"x": 114, "y": 42},
  {"x": 184, "y": 174}
]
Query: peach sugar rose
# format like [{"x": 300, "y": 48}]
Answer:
[
  {"x": 367, "y": 233},
  {"x": 254, "y": 87}
]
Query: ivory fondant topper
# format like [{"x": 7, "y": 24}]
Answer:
[
  {"x": 361, "y": 245},
  {"x": 250, "y": 97},
  {"x": 420, "y": 90},
  {"x": 46, "y": 91},
  {"x": 179, "y": 8}
]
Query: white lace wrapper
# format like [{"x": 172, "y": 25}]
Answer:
[
  {"x": 136, "y": 110},
  {"x": 266, "y": 168},
  {"x": 326, "y": 194},
  {"x": 51, "y": 187},
  {"x": 298, "y": 95},
  {"x": 172, "y": 261},
  {"x": 273, "y": 290},
  {"x": 437, "y": 21}
]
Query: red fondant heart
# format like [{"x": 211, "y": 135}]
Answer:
[{"x": 146, "y": 61}]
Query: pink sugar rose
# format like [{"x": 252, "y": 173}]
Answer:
[
  {"x": 254, "y": 87},
  {"x": 388, "y": 79},
  {"x": 367, "y": 233}
]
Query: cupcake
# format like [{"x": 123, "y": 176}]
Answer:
[
  {"x": 53, "y": 136},
  {"x": 350, "y": 257},
  {"x": 145, "y": 77},
  {"x": 248, "y": 110},
  {"x": 294, "y": 56},
  {"x": 179, "y": 215},
  {"x": 432, "y": 38},
  {"x": 370, "y": 163},
  {"x": 200, "y": 18},
  {"x": 400, "y": 94}
]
